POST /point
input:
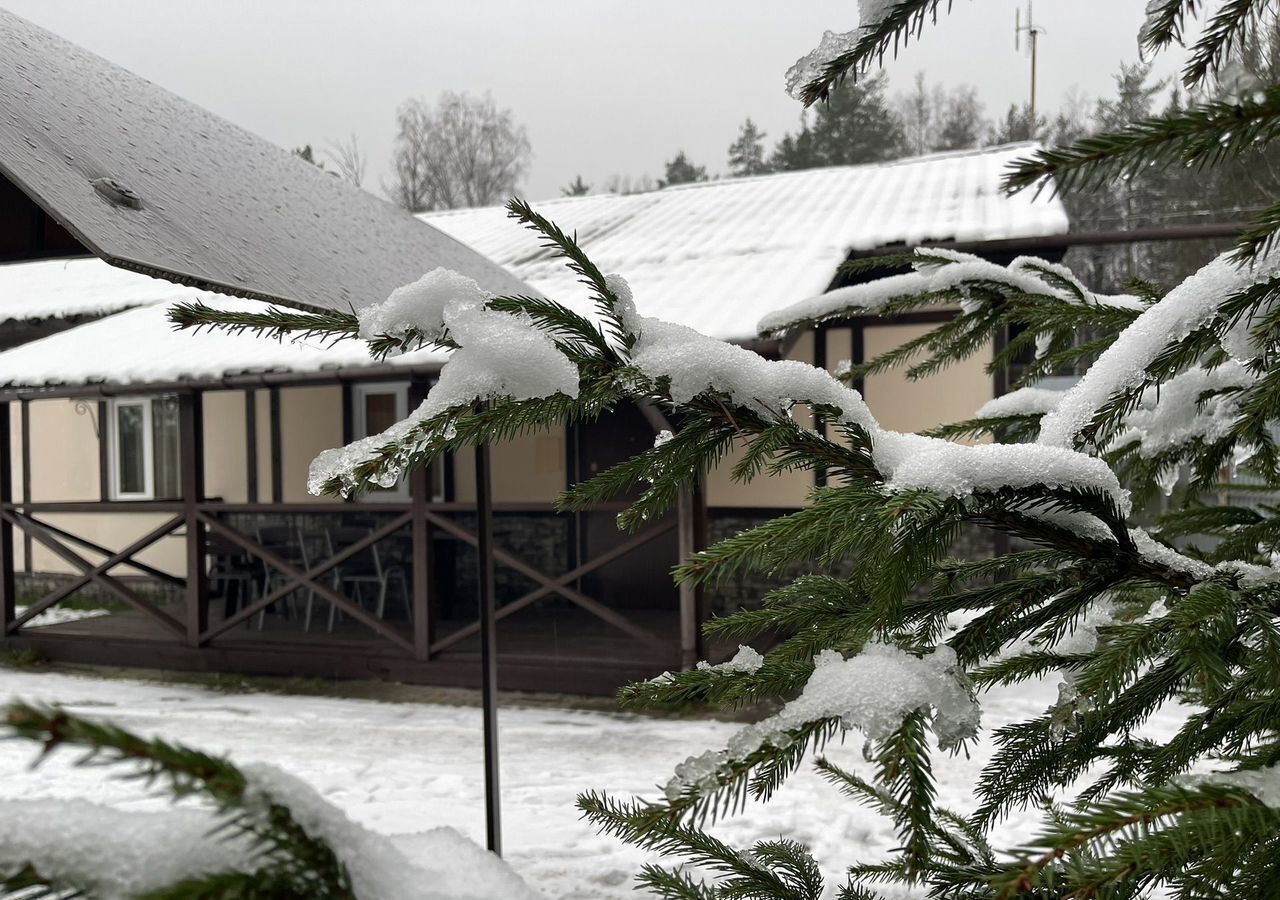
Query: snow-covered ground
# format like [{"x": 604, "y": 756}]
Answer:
[{"x": 401, "y": 768}]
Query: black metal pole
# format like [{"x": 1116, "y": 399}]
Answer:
[{"x": 488, "y": 650}]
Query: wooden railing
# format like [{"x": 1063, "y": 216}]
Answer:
[{"x": 424, "y": 521}]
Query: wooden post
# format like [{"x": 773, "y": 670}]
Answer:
[
  {"x": 819, "y": 424},
  {"x": 105, "y": 430},
  {"x": 191, "y": 444},
  {"x": 691, "y": 537},
  {"x": 277, "y": 459},
  {"x": 488, "y": 649},
  {"x": 251, "y": 445},
  {"x": 420, "y": 529},
  {"x": 8, "y": 597},
  {"x": 27, "y": 545}
]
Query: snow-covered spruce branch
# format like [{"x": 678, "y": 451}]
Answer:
[
  {"x": 1132, "y": 622},
  {"x": 259, "y": 848},
  {"x": 883, "y": 26},
  {"x": 249, "y": 831},
  {"x": 1044, "y": 302}
]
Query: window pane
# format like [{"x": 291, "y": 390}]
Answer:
[
  {"x": 164, "y": 430},
  {"x": 379, "y": 412},
  {"x": 130, "y": 447}
]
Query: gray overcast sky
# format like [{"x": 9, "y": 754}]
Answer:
[{"x": 603, "y": 86}]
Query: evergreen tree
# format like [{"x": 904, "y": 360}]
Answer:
[
  {"x": 1131, "y": 606},
  {"x": 854, "y": 126},
  {"x": 746, "y": 154},
  {"x": 679, "y": 170},
  {"x": 1017, "y": 126},
  {"x": 575, "y": 188}
]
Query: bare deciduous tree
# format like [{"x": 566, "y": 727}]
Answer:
[
  {"x": 462, "y": 152},
  {"x": 348, "y": 159}
]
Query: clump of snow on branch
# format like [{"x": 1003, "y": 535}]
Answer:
[
  {"x": 938, "y": 271},
  {"x": 1250, "y": 576},
  {"x": 1027, "y": 401},
  {"x": 419, "y": 307},
  {"x": 957, "y": 470},
  {"x": 115, "y": 854},
  {"x": 872, "y": 691},
  {"x": 833, "y": 44},
  {"x": 378, "y": 869},
  {"x": 1175, "y": 415},
  {"x": 1122, "y": 366},
  {"x": 747, "y": 659},
  {"x": 1153, "y": 551},
  {"x": 1149, "y": 20},
  {"x": 812, "y": 65},
  {"x": 693, "y": 363},
  {"x": 500, "y": 355},
  {"x": 1264, "y": 783}
]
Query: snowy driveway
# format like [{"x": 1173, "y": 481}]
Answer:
[{"x": 400, "y": 768}]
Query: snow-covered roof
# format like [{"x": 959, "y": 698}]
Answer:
[
  {"x": 152, "y": 182},
  {"x": 717, "y": 256},
  {"x": 61, "y": 288},
  {"x": 139, "y": 346}
]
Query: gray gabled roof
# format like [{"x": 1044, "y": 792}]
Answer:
[{"x": 151, "y": 182}]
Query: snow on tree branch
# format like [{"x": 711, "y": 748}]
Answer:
[{"x": 872, "y": 691}]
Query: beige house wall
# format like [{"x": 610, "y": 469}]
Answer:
[
  {"x": 787, "y": 490},
  {"x": 310, "y": 422},
  {"x": 225, "y": 469},
  {"x": 951, "y": 395},
  {"x": 65, "y": 467},
  {"x": 530, "y": 469}
]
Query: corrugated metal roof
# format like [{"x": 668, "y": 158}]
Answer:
[
  {"x": 218, "y": 207},
  {"x": 139, "y": 346},
  {"x": 717, "y": 256}
]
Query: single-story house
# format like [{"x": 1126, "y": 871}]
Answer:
[
  {"x": 99, "y": 456},
  {"x": 167, "y": 469}
]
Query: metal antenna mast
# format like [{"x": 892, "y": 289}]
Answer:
[{"x": 1033, "y": 32}]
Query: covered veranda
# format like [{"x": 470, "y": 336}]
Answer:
[{"x": 265, "y": 582}]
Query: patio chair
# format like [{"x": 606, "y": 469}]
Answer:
[
  {"x": 231, "y": 574},
  {"x": 366, "y": 569},
  {"x": 285, "y": 542}
]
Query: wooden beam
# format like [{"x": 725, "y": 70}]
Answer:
[
  {"x": 113, "y": 559},
  {"x": 159, "y": 574},
  {"x": 691, "y": 514},
  {"x": 599, "y": 610},
  {"x": 819, "y": 423},
  {"x": 420, "y": 530},
  {"x": 567, "y": 578},
  {"x": 38, "y": 531},
  {"x": 8, "y": 594},
  {"x": 1154, "y": 234},
  {"x": 26, "y": 480},
  {"x": 277, "y": 462},
  {"x": 104, "y": 457},
  {"x": 191, "y": 462},
  {"x": 250, "y": 445},
  {"x": 303, "y": 580}
]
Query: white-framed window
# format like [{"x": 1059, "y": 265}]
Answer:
[
  {"x": 376, "y": 406},
  {"x": 142, "y": 448}
]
